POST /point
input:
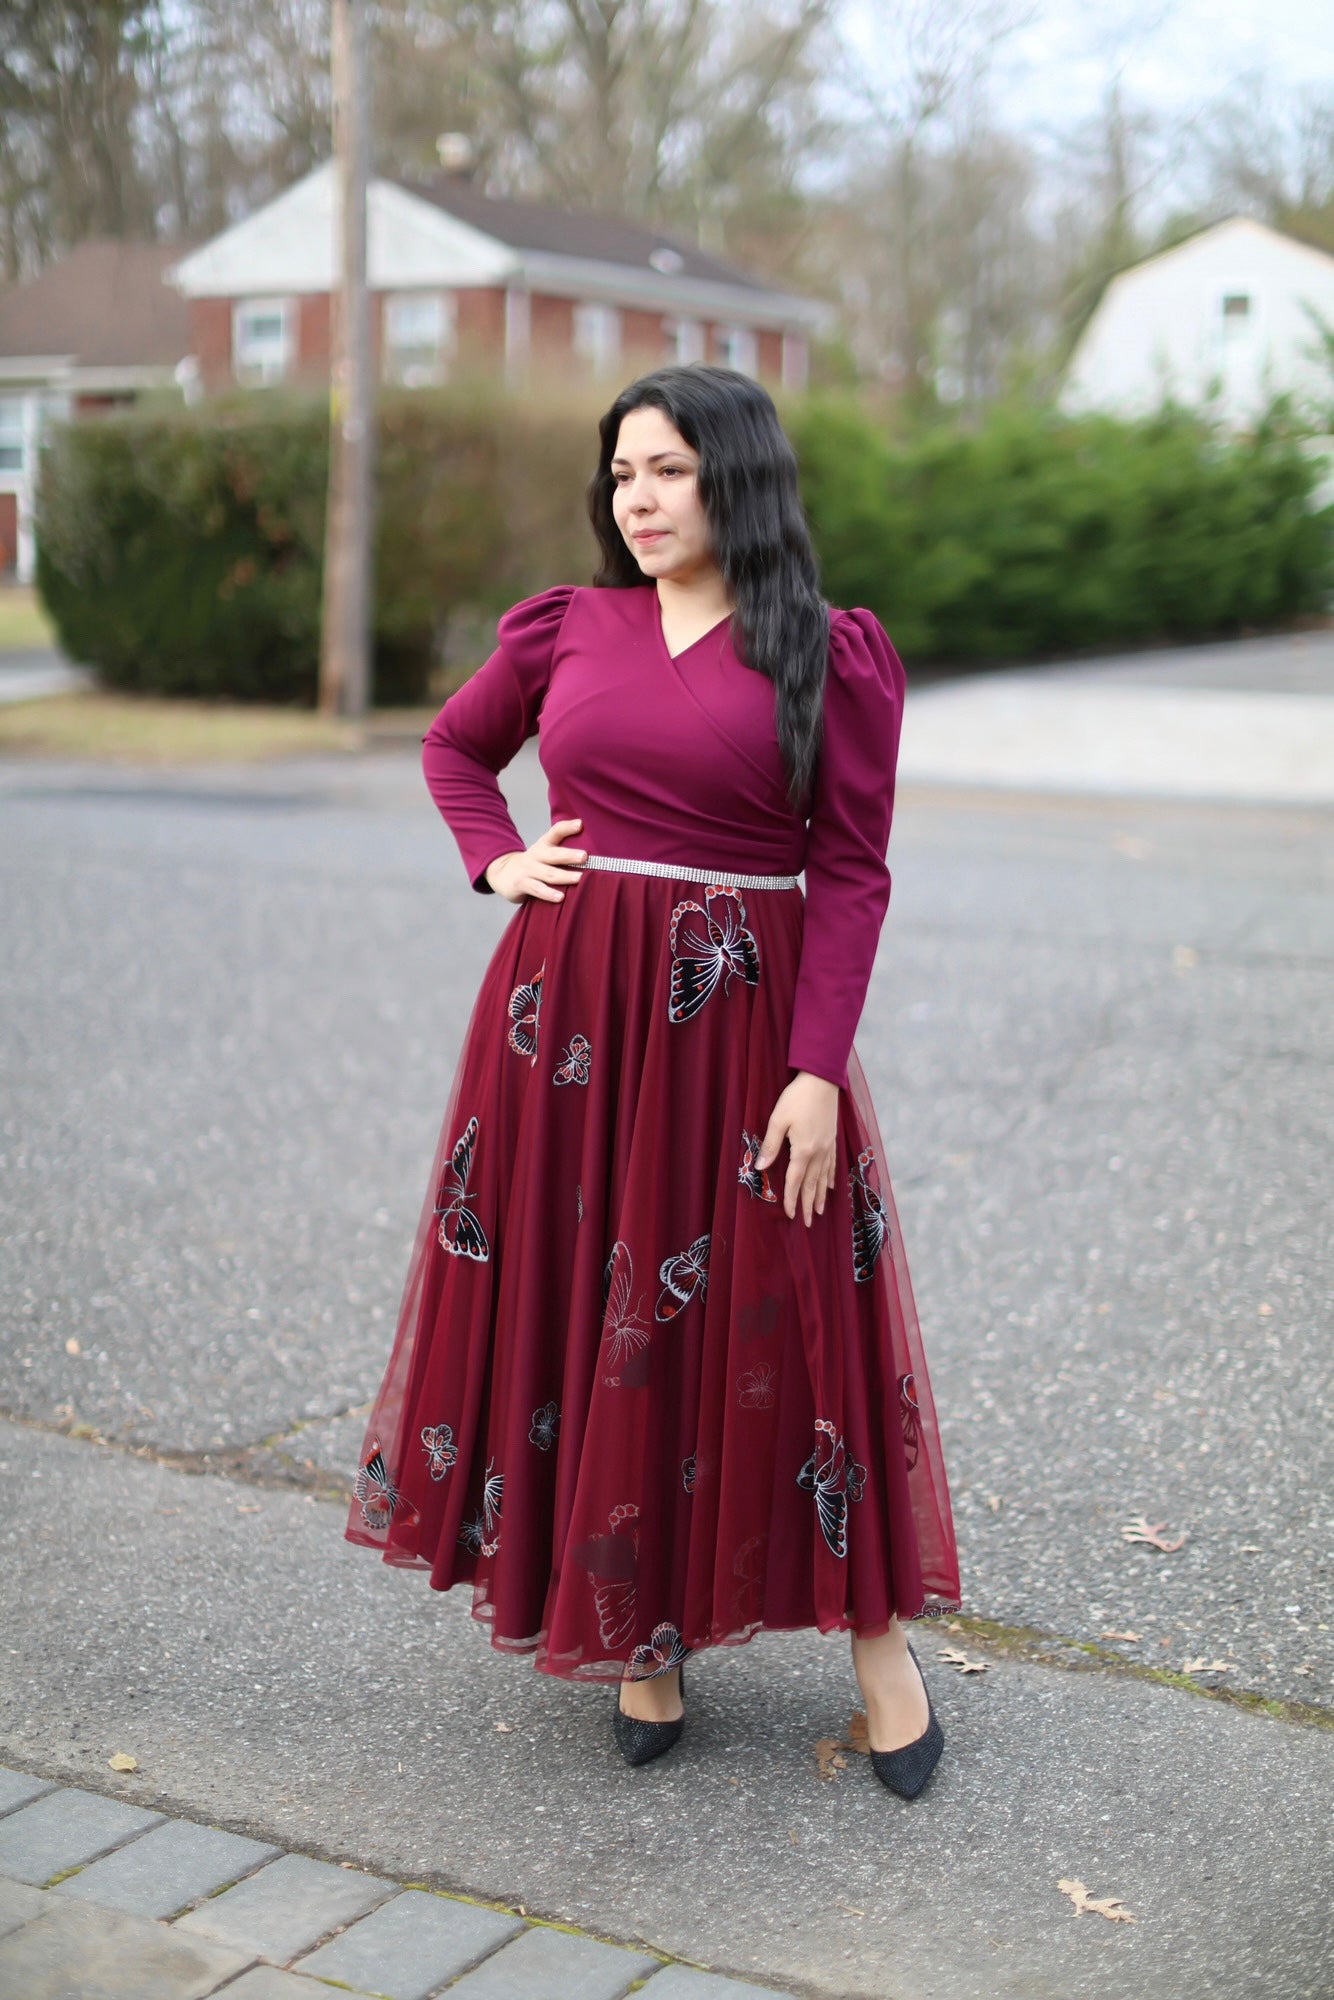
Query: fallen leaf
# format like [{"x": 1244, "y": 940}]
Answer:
[
  {"x": 1203, "y": 1666},
  {"x": 248, "y": 1508},
  {"x": 858, "y": 1737},
  {"x": 504, "y": 1729},
  {"x": 994, "y": 1502},
  {"x": 1104, "y": 1906},
  {"x": 827, "y": 1754},
  {"x": 954, "y": 1658},
  {"x": 72, "y": 1346},
  {"x": 1140, "y": 1530},
  {"x": 850, "y": 1911},
  {"x": 793, "y": 1838},
  {"x": 120, "y": 1762},
  {"x": 1119, "y": 1635}
]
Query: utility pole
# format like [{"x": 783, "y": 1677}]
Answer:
[{"x": 345, "y": 633}]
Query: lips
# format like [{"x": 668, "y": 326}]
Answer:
[{"x": 653, "y": 535}]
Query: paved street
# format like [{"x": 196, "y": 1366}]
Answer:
[{"x": 1098, "y": 1041}]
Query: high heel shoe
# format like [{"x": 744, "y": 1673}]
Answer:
[
  {"x": 636, "y": 1740},
  {"x": 907, "y": 1769}
]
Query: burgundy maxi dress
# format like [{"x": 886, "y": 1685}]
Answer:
[{"x": 629, "y": 1401}]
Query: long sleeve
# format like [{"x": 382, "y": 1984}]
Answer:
[
  {"x": 847, "y": 876},
  {"x": 482, "y": 727}
]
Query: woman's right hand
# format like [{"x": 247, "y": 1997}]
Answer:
[{"x": 536, "y": 870}]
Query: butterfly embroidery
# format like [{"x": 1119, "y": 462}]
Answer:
[
  {"x": 525, "y": 1011},
  {"x": 870, "y": 1224},
  {"x": 834, "y": 1477},
  {"x": 578, "y": 1056},
  {"x": 375, "y": 1489},
  {"x": 441, "y": 1450},
  {"x": 544, "y": 1428},
  {"x": 460, "y": 1231},
  {"x": 912, "y": 1417},
  {"x": 755, "y": 1180},
  {"x": 663, "y": 1650},
  {"x": 683, "y": 1275},
  {"x": 709, "y": 944},
  {"x": 756, "y": 1389},
  {"x": 688, "y": 1473},
  {"x": 624, "y": 1334},
  {"x": 611, "y": 1561}
]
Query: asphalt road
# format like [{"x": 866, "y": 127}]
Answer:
[{"x": 1098, "y": 1042}]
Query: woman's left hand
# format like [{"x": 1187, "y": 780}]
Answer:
[{"x": 806, "y": 1115}]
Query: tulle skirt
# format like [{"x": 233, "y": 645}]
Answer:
[{"x": 630, "y": 1402}]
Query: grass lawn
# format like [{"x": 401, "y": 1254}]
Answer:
[
  {"x": 24, "y": 627},
  {"x": 141, "y": 729}
]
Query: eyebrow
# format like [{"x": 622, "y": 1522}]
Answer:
[{"x": 678, "y": 452}]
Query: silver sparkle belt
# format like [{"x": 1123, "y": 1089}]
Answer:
[{"x": 678, "y": 872}]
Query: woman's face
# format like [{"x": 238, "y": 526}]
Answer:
[{"x": 655, "y": 498}]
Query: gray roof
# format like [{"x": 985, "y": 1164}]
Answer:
[
  {"x": 582, "y": 233},
  {"x": 105, "y": 304}
]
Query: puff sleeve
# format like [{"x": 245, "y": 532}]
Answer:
[
  {"x": 847, "y": 877},
  {"x": 482, "y": 727}
]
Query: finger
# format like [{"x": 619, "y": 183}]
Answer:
[{"x": 770, "y": 1144}]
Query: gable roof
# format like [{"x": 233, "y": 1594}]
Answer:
[
  {"x": 1235, "y": 222},
  {"x": 104, "y": 306},
  {"x": 583, "y": 233}
]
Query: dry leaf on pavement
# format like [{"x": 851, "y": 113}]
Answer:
[
  {"x": 120, "y": 1762},
  {"x": 827, "y": 1753},
  {"x": 1105, "y": 1906},
  {"x": 954, "y": 1658},
  {"x": 1118, "y": 1635},
  {"x": 1203, "y": 1666},
  {"x": 858, "y": 1737},
  {"x": 1140, "y": 1530}
]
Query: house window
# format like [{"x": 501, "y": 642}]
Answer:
[
  {"x": 11, "y": 434},
  {"x": 261, "y": 340},
  {"x": 685, "y": 340},
  {"x": 1237, "y": 316},
  {"x": 419, "y": 329},
  {"x": 737, "y": 348},
  {"x": 597, "y": 336}
]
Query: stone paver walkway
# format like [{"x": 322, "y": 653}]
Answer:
[{"x": 100, "y": 1900}]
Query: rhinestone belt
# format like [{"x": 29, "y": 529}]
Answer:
[{"x": 677, "y": 872}]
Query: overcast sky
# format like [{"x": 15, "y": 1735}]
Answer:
[{"x": 1171, "y": 54}]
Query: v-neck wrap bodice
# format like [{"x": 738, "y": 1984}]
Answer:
[{"x": 677, "y": 759}]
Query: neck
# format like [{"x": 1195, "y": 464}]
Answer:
[{"x": 703, "y": 594}]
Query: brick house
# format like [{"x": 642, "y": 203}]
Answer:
[
  {"x": 91, "y": 332},
  {"x": 461, "y": 279}
]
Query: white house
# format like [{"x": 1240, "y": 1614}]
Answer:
[
  {"x": 92, "y": 332},
  {"x": 1227, "y": 311},
  {"x": 461, "y": 278}
]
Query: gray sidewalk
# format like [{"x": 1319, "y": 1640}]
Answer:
[{"x": 101, "y": 1898}]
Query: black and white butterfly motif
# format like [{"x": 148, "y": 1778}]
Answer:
[
  {"x": 611, "y": 1561},
  {"x": 663, "y": 1650},
  {"x": 912, "y": 1419},
  {"x": 688, "y": 1473},
  {"x": 755, "y": 1180},
  {"x": 375, "y": 1489},
  {"x": 441, "y": 1450},
  {"x": 472, "y": 1533},
  {"x": 545, "y": 1427},
  {"x": 684, "y": 1275},
  {"x": 757, "y": 1389},
  {"x": 525, "y": 1014},
  {"x": 709, "y": 942},
  {"x": 625, "y": 1335},
  {"x": 574, "y": 1066},
  {"x": 870, "y": 1224},
  {"x": 460, "y": 1231},
  {"x": 834, "y": 1477}
]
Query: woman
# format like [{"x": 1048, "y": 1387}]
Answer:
[{"x": 657, "y": 1383}]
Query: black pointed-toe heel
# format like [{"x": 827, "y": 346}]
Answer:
[
  {"x": 638, "y": 1741},
  {"x": 907, "y": 1769}
]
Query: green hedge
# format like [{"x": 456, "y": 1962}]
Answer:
[
  {"x": 1037, "y": 534},
  {"x": 180, "y": 552}
]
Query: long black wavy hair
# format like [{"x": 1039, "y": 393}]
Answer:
[{"x": 747, "y": 482}]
